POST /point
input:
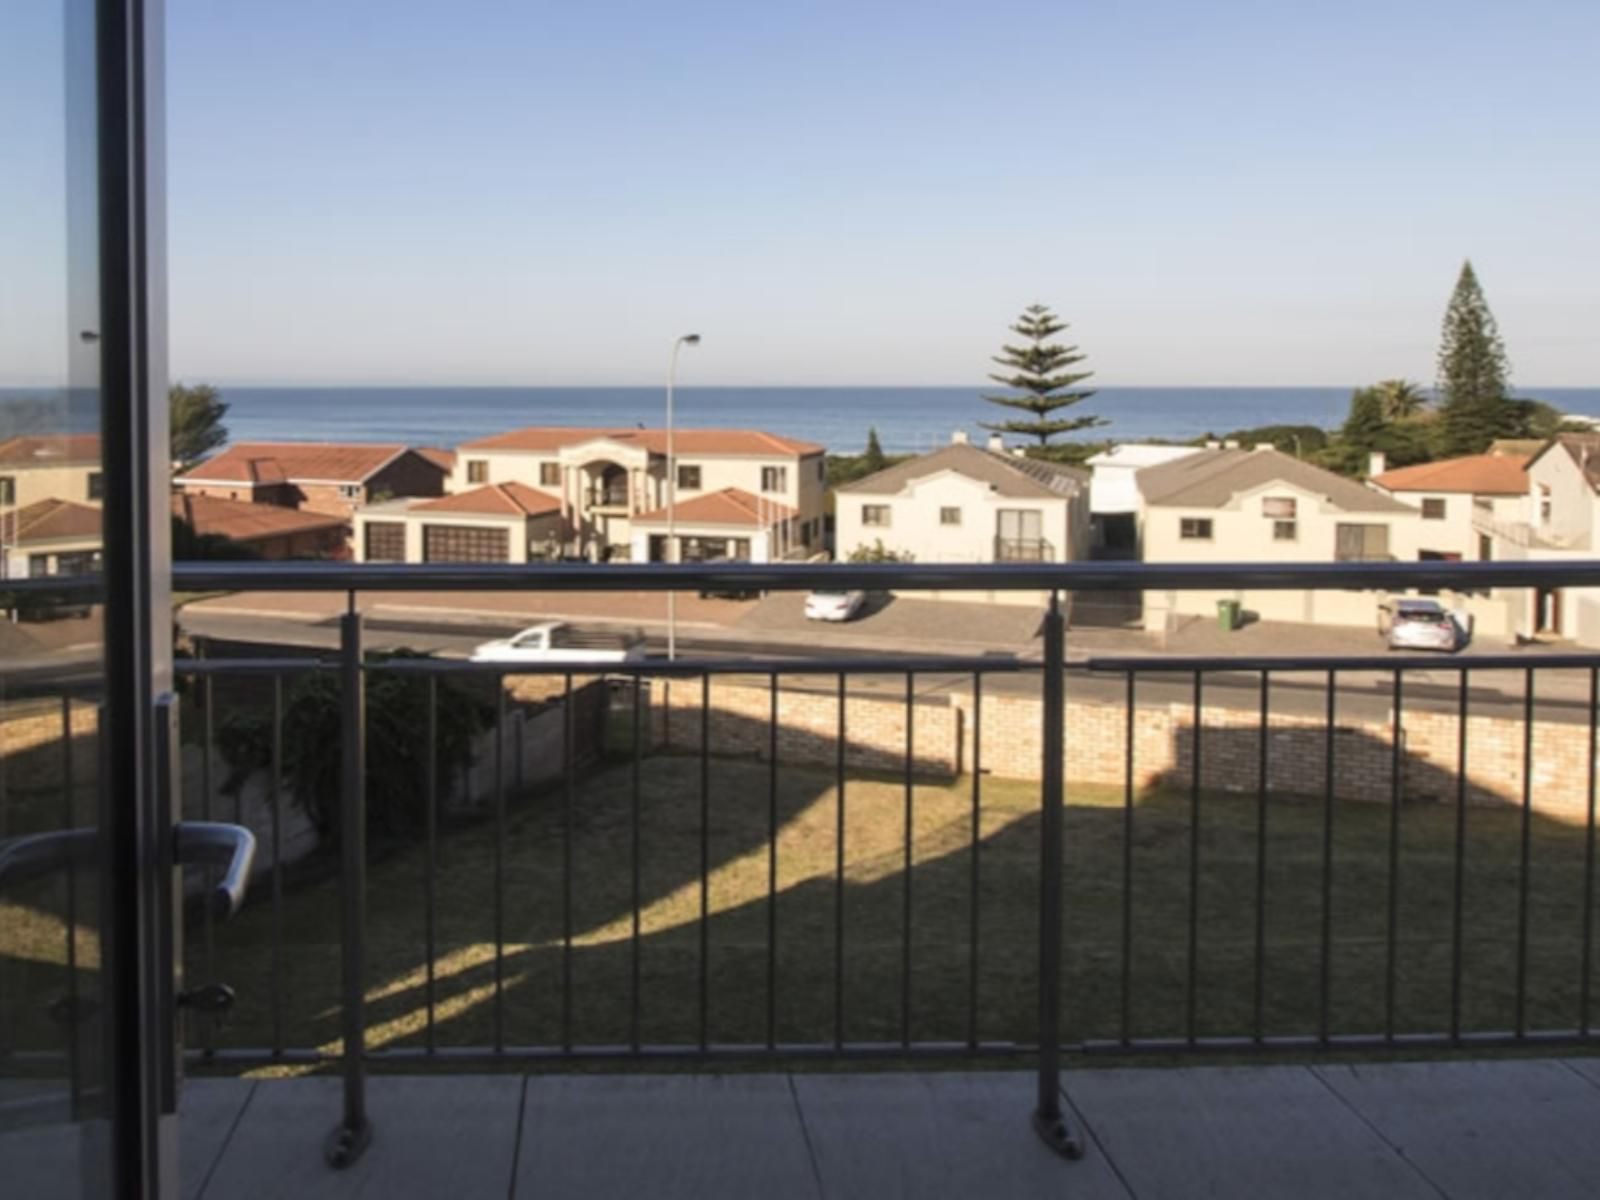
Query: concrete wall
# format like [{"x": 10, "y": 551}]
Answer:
[
  {"x": 915, "y": 527},
  {"x": 1572, "y": 500}
]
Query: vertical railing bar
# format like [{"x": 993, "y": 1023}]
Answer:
[
  {"x": 838, "y": 870},
  {"x": 636, "y": 894},
  {"x": 431, "y": 867},
  {"x": 772, "y": 863},
  {"x": 207, "y": 776},
  {"x": 1392, "y": 928},
  {"x": 905, "y": 892},
  {"x": 277, "y": 863},
  {"x": 1128, "y": 755},
  {"x": 69, "y": 821},
  {"x": 1523, "y": 853},
  {"x": 1458, "y": 900},
  {"x": 973, "y": 881},
  {"x": 1585, "y": 974},
  {"x": 499, "y": 881},
  {"x": 705, "y": 862},
  {"x": 1325, "y": 965},
  {"x": 1192, "y": 974},
  {"x": 569, "y": 770},
  {"x": 1263, "y": 783}
]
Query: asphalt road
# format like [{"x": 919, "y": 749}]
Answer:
[{"x": 1560, "y": 696}]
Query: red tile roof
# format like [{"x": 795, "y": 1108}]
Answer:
[
  {"x": 300, "y": 462},
  {"x": 496, "y": 499},
  {"x": 50, "y": 449},
  {"x": 49, "y": 521},
  {"x": 438, "y": 456},
  {"x": 685, "y": 441},
  {"x": 730, "y": 506},
  {"x": 1481, "y": 474},
  {"x": 243, "y": 521}
]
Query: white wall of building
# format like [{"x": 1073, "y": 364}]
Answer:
[{"x": 1113, "y": 487}]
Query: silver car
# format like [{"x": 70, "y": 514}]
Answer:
[{"x": 1419, "y": 625}]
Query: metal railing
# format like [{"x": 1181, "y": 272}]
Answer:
[
  {"x": 1036, "y": 550},
  {"x": 1061, "y": 916}
]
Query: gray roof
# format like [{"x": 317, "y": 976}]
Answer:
[
  {"x": 1009, "y": 474},
  {"x": 1211, "y": 478}
]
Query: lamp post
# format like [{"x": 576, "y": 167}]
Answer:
[{"x": 688, "y": 339}]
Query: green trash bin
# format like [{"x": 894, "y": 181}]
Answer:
[{"x": 1228, "y": 613}]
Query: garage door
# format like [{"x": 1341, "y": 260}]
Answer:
[{"x": 465, "y": 543}]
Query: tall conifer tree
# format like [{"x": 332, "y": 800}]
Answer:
[
  {"x": 1475, "y": 407},
  {"x": 1041, "y": 371}
]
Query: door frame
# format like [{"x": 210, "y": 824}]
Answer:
[{"x": 139, "y": 917}]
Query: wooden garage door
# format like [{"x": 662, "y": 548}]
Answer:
[
  {"x": 465, "y": 543},
  {"x": 386, "y": 541}
]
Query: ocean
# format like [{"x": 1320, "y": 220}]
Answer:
[{"x": 908, "y": 419}]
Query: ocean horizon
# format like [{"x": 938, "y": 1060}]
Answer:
[{"x": 907, "y": 419}]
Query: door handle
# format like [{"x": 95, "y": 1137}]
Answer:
[
  {"x": 40, "y": 854},
  {"x": 215, "y": 842}
]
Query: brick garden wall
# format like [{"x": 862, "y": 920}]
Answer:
[{"x": 1164, "y": 742}]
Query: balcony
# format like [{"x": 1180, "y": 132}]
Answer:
[
  {"x": 1023, "y": 550},
  {"x": 613, "y": 499},
  {"x": 1520, "y": 533},
  {"x": 865, "y": 861}
]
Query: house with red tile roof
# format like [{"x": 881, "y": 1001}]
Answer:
[
  {"x": 495, "y": 523},
  {"x": 613, "y": 488},
  {"x": 49, "y": 537},
  {"x": 334, "y": 478},
  {"x": 270, "y": 530},
  {"x": 1460, "y": 500},
  {"x": 54, "y": 466}
]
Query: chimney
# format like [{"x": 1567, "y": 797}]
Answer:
[
  {"x": 1231, "y": 444},
  {"x": 1213, "y": 445},
  {"x": 997, "y": 443},
  {"x": 1375, "y": 464},
  {"x": 958, "y": 438}
]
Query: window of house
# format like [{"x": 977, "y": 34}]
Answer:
[
  {"x": 688, "y": 478},
  {"x": 1433, "y": 509},
  {"x": 97, "y": 486},
  {"x": 1544, "y": 504},
  {"x": 1285, "y": 531},
  {"x": 1485, "y": 547},
  {"x": 875, "y": 514},
  {"x": 478, "y": 470},
  {"x": 549, "y": 474},
  {"x": 8, "y": 490},
  {"x": 1195, "y": 529},
  {"x": 949, "y": 516},
  {"x": 1279, "y": 508},
  {"x": 386, "y": 541},
  {"x": 774, "y": 479},
  {"x": 1361, "y": 543},
  {"x": 350, "y": 491}
]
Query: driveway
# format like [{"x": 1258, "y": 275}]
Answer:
[{"x": 926, "y": 626}]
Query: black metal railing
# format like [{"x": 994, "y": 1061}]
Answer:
[{"x": 1090, "y": 964}]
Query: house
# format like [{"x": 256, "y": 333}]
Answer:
[
  {"x": 1225, "y": 505},
  {"x": 967, "y": 504},
  {"x": 1559, "y": 521},
  {"x": 492, "y": 523},
  {"x": 321, "y": 477},
  {"x": 607, "y": 480},
  {"x": 267, "y": 529},
  {"x": 1460, "y": 500},
  {"x": 1114, "y": 493},
  {"x": 56, "y": 466},
  {"x": 731, "y": 525},
  {"x": 49, "y": 537}
]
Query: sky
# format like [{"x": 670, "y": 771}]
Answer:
[{"x": 512, "y": 192}]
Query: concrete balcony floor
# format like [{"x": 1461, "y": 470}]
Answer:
[{"x": 1504, "y": 1128}]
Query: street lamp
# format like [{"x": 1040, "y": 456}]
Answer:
[{"x": 688, "y": 339}]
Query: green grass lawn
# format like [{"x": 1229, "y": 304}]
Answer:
[{"x": 531, "y": 1005}]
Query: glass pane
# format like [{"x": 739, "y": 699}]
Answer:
[{"x": 51, "y": 1062}]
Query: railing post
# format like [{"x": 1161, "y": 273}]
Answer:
[
  {"x": 1048, "y": 1121},
  {"x": 353, "y": 1133}
]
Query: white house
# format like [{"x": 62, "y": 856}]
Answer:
[
  {"x": 1114, "y": 492},
  {"x": 1460, "y": 501}
]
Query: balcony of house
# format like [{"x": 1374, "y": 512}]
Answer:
[
  {"x": 1023, "y": 550},
  {"x": 1524, "y": 535},
  {"x": 642, "y": 926}
]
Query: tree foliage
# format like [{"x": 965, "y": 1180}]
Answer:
[
  {"x": 879, "y": 553},
  {"x": 1400, "y": 399},
  {"x": 196, "y": 412},
  {"x": 873, "y": 460},
  {"x": 1042, "y": 380},
  {"x": 1474, "y": 374}
]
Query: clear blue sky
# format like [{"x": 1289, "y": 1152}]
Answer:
[{"x": 491, "y": 191}]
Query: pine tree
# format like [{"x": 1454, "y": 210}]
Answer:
[
  {"x": 1041, "y": 371},
  {"x": 1473, "y": 373},
  {"x": 195, "y": 416},
  {"x": 1364, "y": 427},
  {"x": 873, "y": 460}
]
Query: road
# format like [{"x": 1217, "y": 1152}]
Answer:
[{"x": 1560, "y": 695}]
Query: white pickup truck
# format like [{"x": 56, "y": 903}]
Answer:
[{"x": 556, "y": 641}]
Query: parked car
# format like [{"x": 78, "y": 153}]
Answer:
[
  {"x": 834, "y": 605},
  {"x": 1419, "y": 625},
  {"x": 726, "y": 593},
  {"x": 556, "y": 641}
]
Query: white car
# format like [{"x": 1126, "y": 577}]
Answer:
[
  {"x": 1420, "y": 625},
  {"x": 834, "y": 606},
  {"x": 556, "y": 641}
]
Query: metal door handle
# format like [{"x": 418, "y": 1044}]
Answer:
[
  {"x": 41, "y": 854},
  {"x": 217, "y": 842}
]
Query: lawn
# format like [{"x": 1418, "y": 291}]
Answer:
[{"x": 531, "y": 1009}]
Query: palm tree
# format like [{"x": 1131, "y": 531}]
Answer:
[{"x": 1401, "y": 399}]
